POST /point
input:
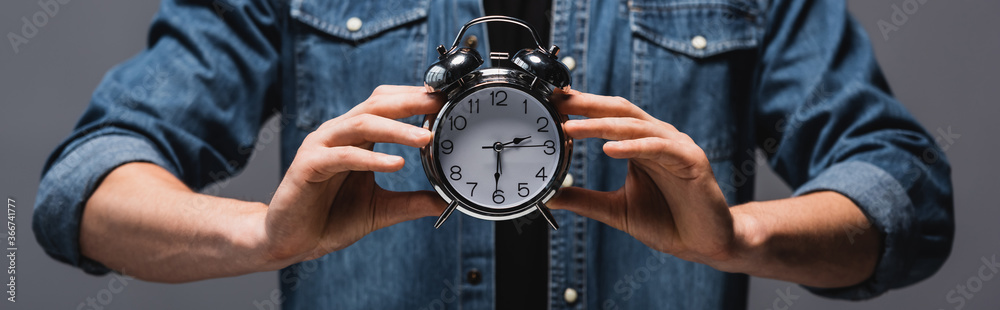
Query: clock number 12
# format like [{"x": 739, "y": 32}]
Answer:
[{"x": 495, "y": 95}]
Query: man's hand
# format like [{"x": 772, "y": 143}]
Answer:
[
  {"x": 328, "y": 199},
  {"x": 670, "y": 200},
  {"x": 672, "y": 203}
]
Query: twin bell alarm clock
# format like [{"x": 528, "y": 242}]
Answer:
[{"x": 498, "y": 150}]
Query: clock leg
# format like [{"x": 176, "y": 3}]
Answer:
[
  {"x": 447, "y": 212},
  {"x": 547, "y": 215}
]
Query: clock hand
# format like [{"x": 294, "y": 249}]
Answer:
[
  {"x": 516, "y": 141},
  {"x": 499, "y": 164},
  {"x": 538, "y": 145},
  {"x": 496, "y": 176}
]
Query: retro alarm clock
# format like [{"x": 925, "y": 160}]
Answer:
[{"x": 498, "y": 150}]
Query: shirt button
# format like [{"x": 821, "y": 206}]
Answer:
[
  {"x": 568, "y": 181},
  {"x": 353, "y": 24},
  {"x": 699, "y": 42},
  {"x": 474, "y": 277},
  {"x": 570, "y": 295},
  {"x": 569, "y": 62},
  {"x": 471, "y": 41}
]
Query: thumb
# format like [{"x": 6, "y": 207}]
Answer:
[
  {"x": 398, "y": 207},
  {"x": 601, "y": 206}
]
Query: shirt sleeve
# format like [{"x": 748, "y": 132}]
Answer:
[
  {"x": 828, "y": 122},
  {"x": 192, "y": 102}
]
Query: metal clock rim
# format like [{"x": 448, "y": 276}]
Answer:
[
  {"x": 491, "y": 78},
  {"x": 468, "y": 207}
]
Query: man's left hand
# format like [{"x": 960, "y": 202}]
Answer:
[{"x": 670, "y": 201}]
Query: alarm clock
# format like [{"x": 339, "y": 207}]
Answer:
[{"x": 498, "y": 150}]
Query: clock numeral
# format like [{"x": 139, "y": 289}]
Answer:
[
  {"x": 476, "y": 110},
  {"x": 457, "y": 122},
  {"x": 541, "y": 174},
  {"x": 456, "y": 173},
  {"x": 447, "y": 147},
  {"x": 523, "y": 187},
  {"x": 525, "y": 106},
  {"x": 473, "y": 191},
  {"x": 549, "y": 145},
  {"x": 498, "y": 197},
  {"x": 495, "y": 95},
  {"x": 544, "y": 122}
]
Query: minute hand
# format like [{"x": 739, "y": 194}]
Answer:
[{"x": 496, "y": 176}]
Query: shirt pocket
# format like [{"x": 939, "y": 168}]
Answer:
[
  {"x": 692, "y": 66},
  {"x": 345, "y": 49},
  {"x": 724, "y": 25}
]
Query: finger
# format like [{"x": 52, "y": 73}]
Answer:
[
  {"x": 597, "y": 205},
  {"x": 680, "y": 158},
  {"x": 321, "y": 164},
  {"x": 368, "y": 128},
  {"x": 398, "y": 207},
  {"x": 398, "y": 105},
  {"x": 614, "y": 128},
  {"x": 388, "y": 89},
  {"x": 577, "y": 103}
]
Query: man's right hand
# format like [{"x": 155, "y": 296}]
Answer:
[{"x": 328, "y": 199}]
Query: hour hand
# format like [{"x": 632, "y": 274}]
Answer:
[
  {"x": 499, "y": 146},
  {"x": 517, "y": 140}
]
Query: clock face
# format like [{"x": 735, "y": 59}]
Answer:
[{"x": 498, "y": 149}]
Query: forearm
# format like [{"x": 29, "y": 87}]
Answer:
[
  {"x": 821, "y": 239},
  {"x": 144, "y": 222}
]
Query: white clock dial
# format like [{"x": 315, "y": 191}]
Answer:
[{"x": 498, "y": 148}]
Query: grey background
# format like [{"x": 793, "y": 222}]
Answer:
[{"x": 941, "y": 64}]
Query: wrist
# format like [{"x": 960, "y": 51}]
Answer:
[
  {"x": 749, "y": 238},
  {"x": 251, "y": 238}
]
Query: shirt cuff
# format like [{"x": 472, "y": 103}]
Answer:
[
  {"x": 67, "y": 185},
  {"x": 888, "y": 209}
]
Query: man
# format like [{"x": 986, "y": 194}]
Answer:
[{"x": 659, "y": 217}]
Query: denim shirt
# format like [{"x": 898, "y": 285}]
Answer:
[{"x": 794, "y": 80}]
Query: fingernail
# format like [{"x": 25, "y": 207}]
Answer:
[
  {"x": 392, "y": 160},
  {"x": 418, "y": 133}
]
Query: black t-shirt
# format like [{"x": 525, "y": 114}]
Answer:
[{"x": 522, "y": 245}]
